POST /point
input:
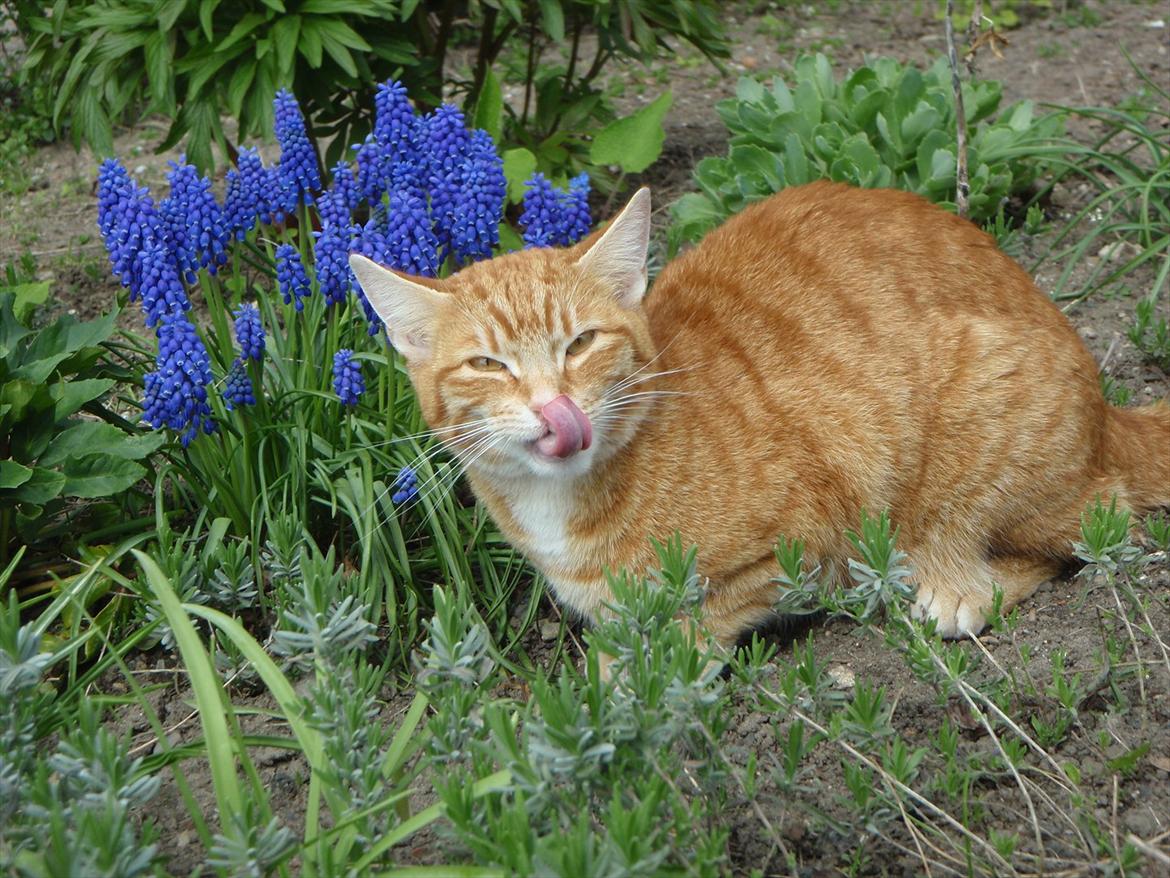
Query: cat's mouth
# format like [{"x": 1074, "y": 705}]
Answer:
[{"x": 567, "y": 429}]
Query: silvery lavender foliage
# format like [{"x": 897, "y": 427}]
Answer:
[
  {"x": 253, "y": 850},
  {"x": 196, "y": 229},
  {"x": 291, "y": 277},
  {"x": 298, "y": 160},
  {"x": 249, "y": 332},
  {"x": 552, "y": 218},
  {"x": 322, "y": 622},
  {"x": 176, "y": 392}
]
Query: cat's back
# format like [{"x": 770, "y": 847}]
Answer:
[{"x": 857, "y": 256}]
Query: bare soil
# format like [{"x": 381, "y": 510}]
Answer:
[{"x": 1073, "y": 58}]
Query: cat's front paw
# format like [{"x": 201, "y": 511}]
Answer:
[{"x": 957, "y": 615}]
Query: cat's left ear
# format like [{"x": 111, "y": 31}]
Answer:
[
  {"x": 407, "y": 307},
  {"x": 619, "y": 255}
]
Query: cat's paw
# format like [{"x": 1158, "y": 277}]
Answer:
[{"x": 957, "y": 615}]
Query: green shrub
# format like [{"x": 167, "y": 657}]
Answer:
[
  {"x": 883, "y": 125},
  {"x": 203, "y": 59},
  {"x": 50, "y": 454}
]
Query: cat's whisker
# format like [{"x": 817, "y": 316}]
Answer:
[
  {"x": 633, "y": 379},
  {"x": 478, "y": 423}
]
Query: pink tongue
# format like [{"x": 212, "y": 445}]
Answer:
[{"x": 571, "y": 430}]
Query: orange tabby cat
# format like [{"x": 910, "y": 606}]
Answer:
[{"x": 827, "y": 349}]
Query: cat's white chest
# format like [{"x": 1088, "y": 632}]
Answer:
[{"x": 542, "y": 513}]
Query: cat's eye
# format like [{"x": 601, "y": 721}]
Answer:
[
  {"x": 485, "y": 364},
  {"x": 581, "y": 342}
]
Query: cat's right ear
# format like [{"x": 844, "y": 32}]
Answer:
[
  {"x": 408, "y": 308},
  {"x": 619, "y": 255}
]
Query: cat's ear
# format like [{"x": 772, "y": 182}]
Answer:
[
  {"x": 407, "y": 307},
  {"x": 619, "y": 255}
]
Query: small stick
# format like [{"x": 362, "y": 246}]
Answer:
[{"x": 962, "y": 187}]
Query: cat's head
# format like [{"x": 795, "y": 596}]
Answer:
[{"x": 529, "y": 362}]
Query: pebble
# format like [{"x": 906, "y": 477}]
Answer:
[
  {"x": 842, "y": 676},
  {"x": 549, "y": 630}
]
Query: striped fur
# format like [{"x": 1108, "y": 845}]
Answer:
[{"x": 826, "y": 350}]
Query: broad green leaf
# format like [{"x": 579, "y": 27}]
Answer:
[
  {"x": 169, "y": 14},
  {"x": 159, "y": 71},
  {"x": 84, "y": 438},
  {"x": 27, "y": 298},
  {"x": 489, "y": 107},
  {"x": 633, "y": 143},
  {"x": 748, "y": 89},
  {"x": 342, "y": 33},
  {"x": 519, "y": 166},
  {"x": 13, "y": 474},
  {"x": 43, "y": 486},
  {"x": 18, "y": 395},
  {"x": 100, "y": 475},
  {"x": 69, "y": 396}
]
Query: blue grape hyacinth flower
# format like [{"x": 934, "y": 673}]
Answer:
[
  {"x": 196, "y": 229},
  {"x": 250, "y": 194},
  {"x": 411, "y": 244},
  {"x": 392, "y": 156},
  {"x": 331, "y": 261},
  {"x": 237, "y": 390},
  {"x": 298, "y": 160},
  {"x": 448, "y": 143},
  {"x": 479, "y": 201},
  {"x": 159, "y": 284},
  {"x": 129, "y": 223},
  {"x": 405, "y": 485},
  {"x": 291, "y": 277},
  {"x": 552, "y": 218},
  {"x": 371, "y": 242},
  {"x": 340, "y": 200},
  {"x": 176, "y": 392},
  {"x": 250, "y": 332},
  {"x": 348, "y": 382}
]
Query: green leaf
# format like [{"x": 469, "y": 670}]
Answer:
[
  {"x": 13, "y": 474},
  {"x": 18, "y": 395},
  {"x": 159, "y": 71},
  {"x": 489, "y": 107},
  {"x": 633, "y": 143},
  {"x": 91, "y": 122},
  {"x": 44, "y": 485},
  {"x": 85, "y": 438},
  {"x": 206, "y": 11},
  {"x": 519, "y": 166},
  {"x": 238, "y": 86},
  {"x": 243, "y": 27},
  {"x": 552, "y": 19},
  {"x": 310, "y": 43},
  {"x": 100, "y": 475},
  {"x": 169, "y": 14},
  {"x": 284, "y": 34},
  {"x": 69, "y": 396},
  {"x": 27, "y": 298}
]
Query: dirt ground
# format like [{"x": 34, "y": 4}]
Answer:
[{"x": 1074, "y": 58}]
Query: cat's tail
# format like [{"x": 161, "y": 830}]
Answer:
[{"x": 1137, "y": 448}]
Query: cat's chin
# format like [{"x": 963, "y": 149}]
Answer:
[{"x": 542, "y": 464}]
